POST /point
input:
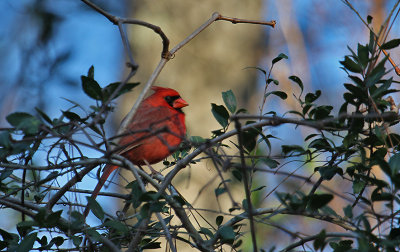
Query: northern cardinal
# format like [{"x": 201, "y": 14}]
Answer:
[{"x": 156, "y": 130}]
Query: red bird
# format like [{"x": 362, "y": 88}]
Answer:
[{"x": 156, "y": 131}]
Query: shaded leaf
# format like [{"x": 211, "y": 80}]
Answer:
[
  {"x": 27, "y": 243},
  {"x": 279, "y": 57},
  {"x": 350, "y": 65},
  {"x": 390, "y": 44},
  {"x": 25, "y": 122},
  {"x": 91, "y": 88},
  {"x": 280, "y": 94},
  {"x": 95, "y": 208},
  {"x": 317, "y": 201},
  {"x": 220, "y": 113},
  {"x": 110, "y": 89},
  {"x": 229, "y": 100},
  {"x": 298, "y": 81}
]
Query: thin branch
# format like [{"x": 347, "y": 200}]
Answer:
[{"x": 246, "y": 185}]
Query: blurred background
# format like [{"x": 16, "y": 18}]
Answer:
[{"x": 46, "y": 45}]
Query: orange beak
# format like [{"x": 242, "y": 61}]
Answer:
[{"x": 179, "y": 103}]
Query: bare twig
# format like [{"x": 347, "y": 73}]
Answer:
[{"x": 246, "y": 185}]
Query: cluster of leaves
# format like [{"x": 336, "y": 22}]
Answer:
[{"x": 24, "y": 142}]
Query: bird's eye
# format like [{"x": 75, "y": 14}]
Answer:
[{"x": 170, "y": 99}]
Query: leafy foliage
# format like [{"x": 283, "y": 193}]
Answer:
[{"x": 352, "y": 145}]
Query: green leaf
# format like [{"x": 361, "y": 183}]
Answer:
[
  {"x": 77, "y": 240},
  {"x": 219, "y": 191},
  {"x": 362, "y": 52},
  {"x": 280, "y": 56},
  {"x": 394, "y": 163},
  {"x": 286, "y": 149},
  {"x": 376, "y": 74},
  {"x": 117, "y": 225},
  {"x": 197, "y": 140},
  {"x": 350, "y": 65},
  {"x": 227, "y": 234},
  {"x": 271, "y": 163},
  {"x": 348, "y": 211},
  {"x": 328, "y": 172},
  {"x": 276, "y": 82},
  {"x": 280, "y": 94},
  {"x": 110, "y": 89},
  {"x": 91, "y": 88},
  {"x": 358, "y": 185},
  {"x": 220, "y": 113},
  {"x": 357, "y": 92},
  {"x": 5, "y": 139},
  {"x": 206, "y": 231},
  {"x": 94, "y": 235},
  {"x": 27, "y": 243},
  {"x": 229, "y": 100},
  {"x": 390, "y": 44},
  {"x": 25, "y": 122},
  {"x": 95, "y": 208},
  {"x": 298, "y": 81},
  {"x": 311, "y": 97}
]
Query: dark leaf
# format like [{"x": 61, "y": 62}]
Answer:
[
  {"x": 91, "y": 72},
  {"x": 376, "y": 74},
  {"x": 298, "y": 81},
  {"x": 95, "y": 208},
  {"x": 390, "y": 44},
  {"x": 259, "y": 69},
  {"x": 280, "y": 94},
  {"x": 227, "y": 234},
  {"x": 219, "y": 191},
  {"x": 319, "y": 242},
  {"x": 379, "y": 195},
  {"x": 362, "y": 52},
  {"x": 206, "y": 231},
  {"x": 5, "y": 139},
  {"x": 328, "y": 172},
  {"x": 25, "y": 122},
  {"x": 369, "y": 19},
  {"x": 317, "y": 201},
  {"x": 117, "y": 225},
  {"x": 311, "y": 97},
  {"x": 357, "y": 92},
  {"x": 276, "y": 82},
  {"x": 280, "y": 56},
  {"x": 91, "y": 88},
  {"x": 110, "y": 89},
  {"x": 348, "y": 211},
  {"x": 27, "y": 243},
  {"x": 221, "y": 114},
  {"x": 219, "y": 220},
  {"x": 72, "y": 116},
  {"x": 350, "y": 65},
  {"x": 286, "y": 149},
  {"x": 229, "y": 100},
  {"x": 394, "y": 163},
  {"x": 44, "y": 115},
  {"x": 270, "y": 162}
]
